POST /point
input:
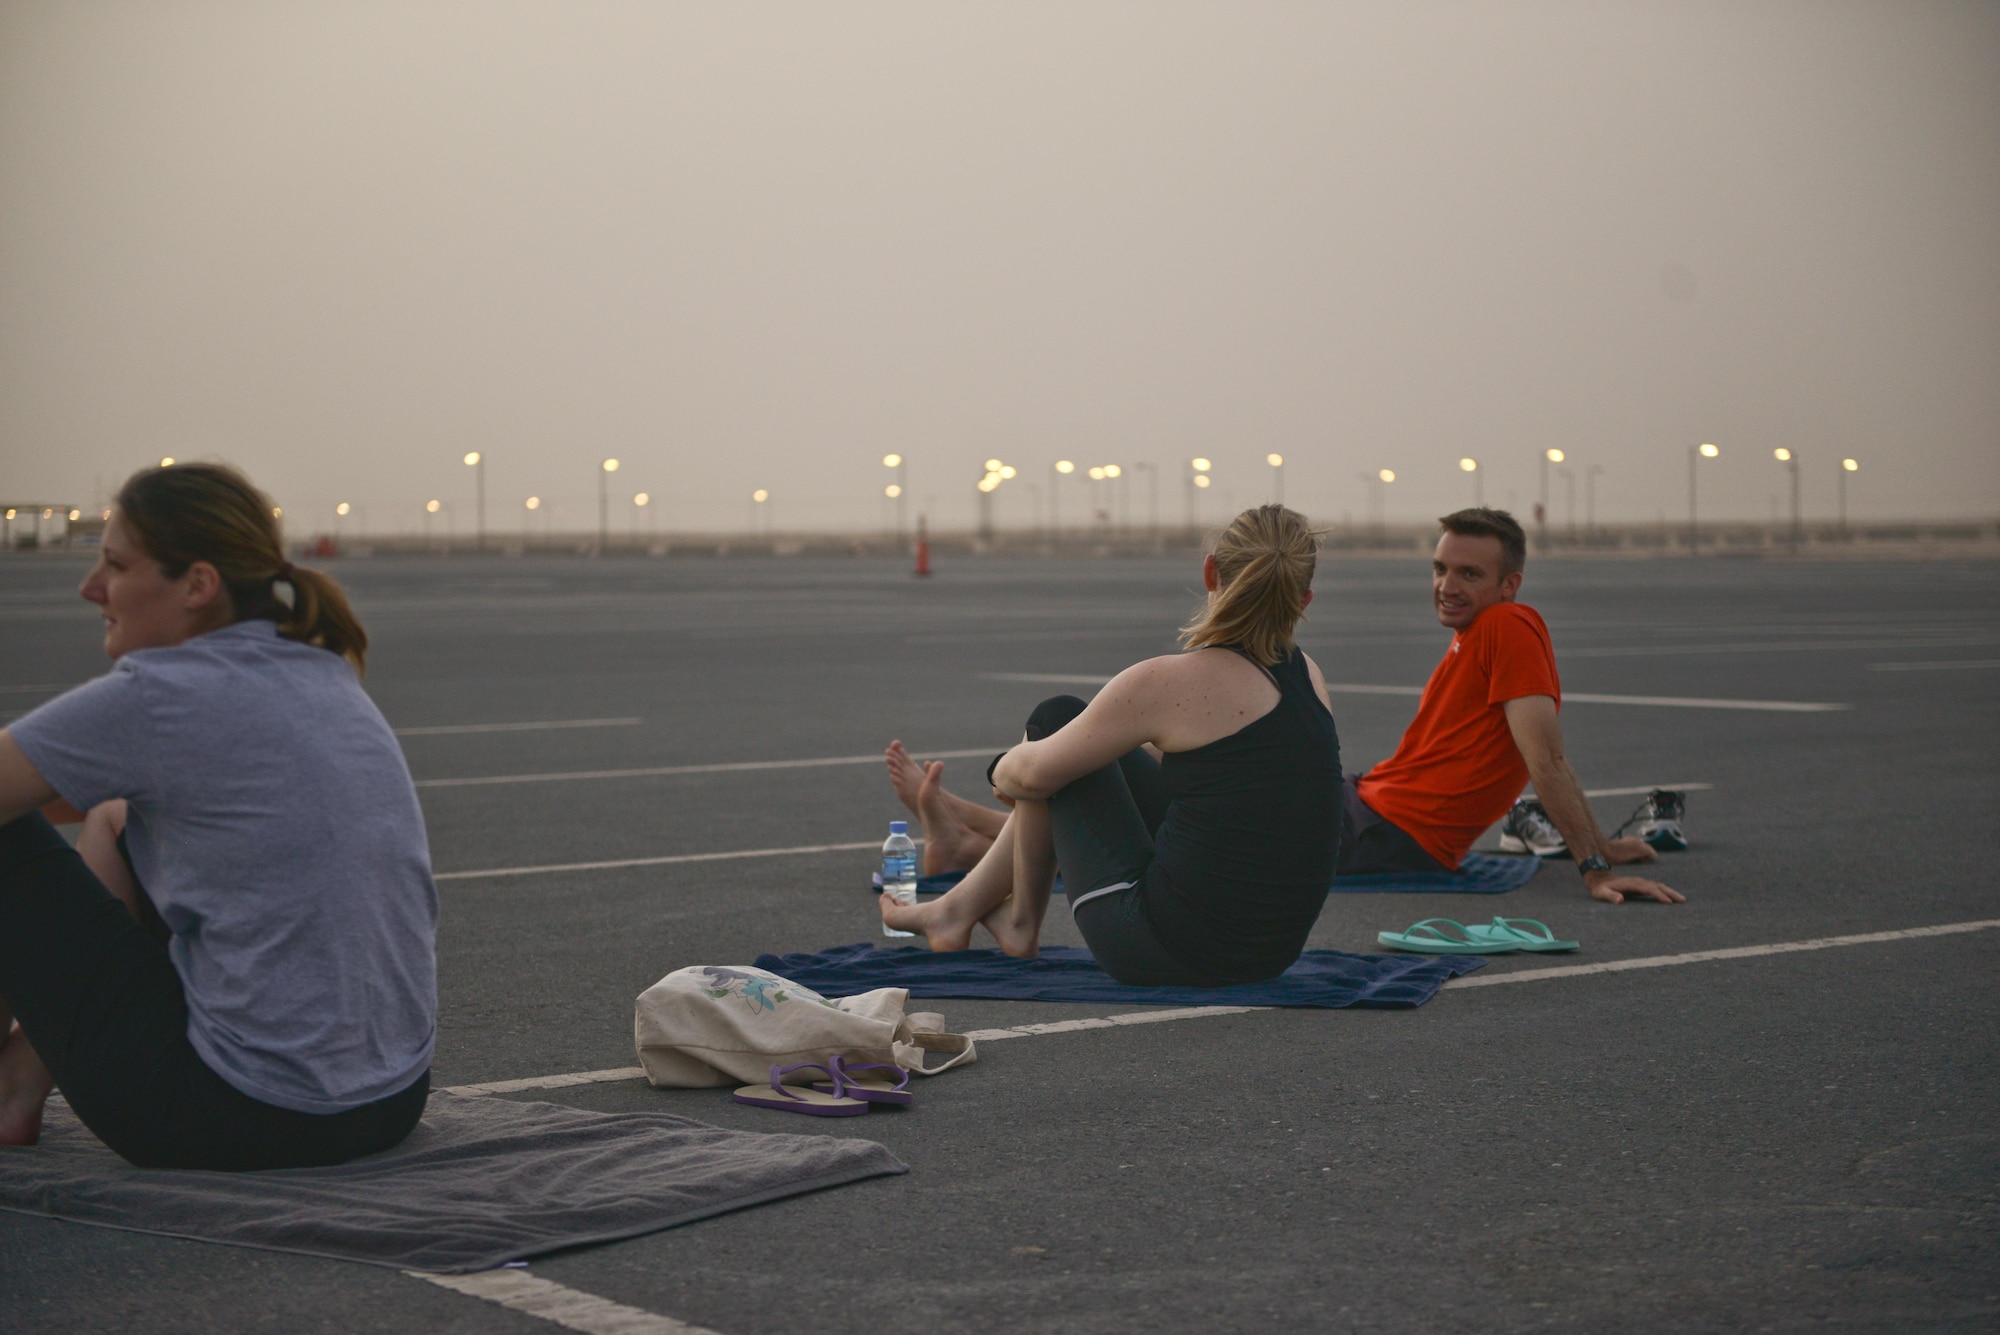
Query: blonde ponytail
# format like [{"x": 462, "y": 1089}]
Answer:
[
  {"x": 1264, "y": 565},
  {"x": 210, "y": 512}
]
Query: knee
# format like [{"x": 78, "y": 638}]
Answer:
[{"x": 1051, "y": 714}]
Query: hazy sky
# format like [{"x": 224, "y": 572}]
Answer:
[{"x": 760, "y": 244}]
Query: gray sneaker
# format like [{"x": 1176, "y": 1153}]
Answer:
[
  {"x": 1659, "y": 820},
  {"x": 1528, "y": 829}
]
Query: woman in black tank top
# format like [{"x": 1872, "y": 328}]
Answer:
[{"x": 1195, "y": 820}]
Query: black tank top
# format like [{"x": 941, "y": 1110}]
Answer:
[{"x": 1245, "y": 855}]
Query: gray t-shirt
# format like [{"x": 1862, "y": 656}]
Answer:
[{"x": 274, "y": 825}]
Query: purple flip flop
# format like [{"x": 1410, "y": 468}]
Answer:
[
  {"x": 873, "y": 1089},
  {"x": 813, "y": 1102}
]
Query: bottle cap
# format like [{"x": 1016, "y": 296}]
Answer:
[{"x": 899, "y": 827}]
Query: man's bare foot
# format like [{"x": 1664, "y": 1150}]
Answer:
[
  {"x": 934, "y": 921},
  {"x": 1625, "y": 851},
  {"x": 949, "y": 843},
  {"x": 24, "y": 1089}
]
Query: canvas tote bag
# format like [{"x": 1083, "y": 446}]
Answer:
[{"x": 729, "y": 1024}]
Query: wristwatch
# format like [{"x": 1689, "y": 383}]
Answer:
[{"x": 1595, "y": 862}]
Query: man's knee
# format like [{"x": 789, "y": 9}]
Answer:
[{"x": 1051, "y": 714}]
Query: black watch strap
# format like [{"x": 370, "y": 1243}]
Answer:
[{"x": 1595, "y": 862}]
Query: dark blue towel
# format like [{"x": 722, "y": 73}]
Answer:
[
  {"x": 1479, "y": 874},
  {"x": 1321, "y": 978}
]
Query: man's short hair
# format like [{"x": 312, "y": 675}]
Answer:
[{"x": 1484, "y": 522}]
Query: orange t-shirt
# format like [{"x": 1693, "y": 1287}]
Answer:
[{"x": 1457, "y": 769}]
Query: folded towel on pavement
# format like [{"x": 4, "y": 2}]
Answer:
[
  {"x": 1321, "y": 978},
  {"x": 1479, "y": 874},
  {"x": 480, "y": 1182}
]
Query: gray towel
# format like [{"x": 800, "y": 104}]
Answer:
[{"x": 481, "y": 1181}]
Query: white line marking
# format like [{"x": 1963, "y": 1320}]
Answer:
[
  {"x": 1768, "y": 647},
  {"x": 1732, "y": 953},
  {"x": 549, "y": 1081},
  {"x": 554, "y": 724},
  {"x": 559, "y": 1303},
  {"x": 660, "y": 771},
  {"x": 668, "y": 860},
  {"x": 1936, "y": 665},
  {"x": 1203, "y": 1012},
  {"x": 1635, "y": 792},
  {"x": 1572, "y": 697}
]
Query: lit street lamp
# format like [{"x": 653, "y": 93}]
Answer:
[
  {"x": 759, "y": 516},
  {"x": 1478, "y": 483},
  {"x": 1197, "y": 482},
  {"x": 1379, "y": 495},
  {"x": 1695, "y": 455},
  {"x": 1061, "y": 468},
  {"x": 639, "y": 504},
  {"x": 894, "y": 491},
  {"x": 1846, "y": 466},
  {"x": 1277, "y": 462},
  {"x": 532, "y": 504},
  {"x": 1791, "y": 463},
  {"x": 604, "y": 472},
  {"x": 1550, "y": 456},
  {"x": 477, "y": 463}
]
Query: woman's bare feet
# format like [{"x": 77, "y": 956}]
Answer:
[
  {"x": 942, "y": 924},
  {"x": 949, "y": 843},
  {"x": 936, "y": 922},
  {"x": 905, "y": 775},
  {"x": 24, "y": 1089}
]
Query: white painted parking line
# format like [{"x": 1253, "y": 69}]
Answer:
[
  {"x": 1204, "y": 1012},
  {"x": 668, "y": 860},
  {"x": 663, "y": 771},
  {"x": 1647, "y": 788},
  {"x": 551, "y": 725},
  {"x": 549, "y": 1081},
  {"x": 1767, "y": 647},
  {"x": 559, "y": 1303},
  {"x": 1569, "y": 697},
  {"x": 1937, "y": 665}
]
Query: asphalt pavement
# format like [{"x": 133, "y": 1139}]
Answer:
[{"x": 1775, "y": 1141}]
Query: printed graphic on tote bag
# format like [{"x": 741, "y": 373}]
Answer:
[{"x": 763, "y": 993}]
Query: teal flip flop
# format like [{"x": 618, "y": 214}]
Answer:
[
  {"x": 1533, "y": 936},
  {"x": 1443, "y": 936}
]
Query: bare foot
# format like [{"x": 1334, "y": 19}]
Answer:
[
  {"x": 1622, "y": 852},
  {"x": 24, "y": 1088},
  {"x": 1023, "y": 942},
  {"x": 949, "y": 843},
  {"x": 933, "y": 921},
  {"x": 905, "y": 776}
]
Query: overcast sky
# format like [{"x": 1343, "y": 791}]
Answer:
[{"x": 744, "y": 245}]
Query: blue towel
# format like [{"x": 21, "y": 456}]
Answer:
[
  {"x": 1479, "y": 874},
  {"x": 1320, "y": 978}
]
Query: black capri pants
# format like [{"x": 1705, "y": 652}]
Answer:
[
  {"x": 104, "y": 1007},
  {"x": 1104, "y": 825}
]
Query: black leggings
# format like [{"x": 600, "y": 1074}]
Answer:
[
  {"x": 1104, "y": 824},
  {"x": 103, "y": 1005}
]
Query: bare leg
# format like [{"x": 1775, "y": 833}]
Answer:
[
  {"x": 906, "y": 776},
  {"x": 949, "y": 843},
  {"x": 25, "y": 1082},
  {"x": 981, "y": 898},
  {"x": 1034, "y": 873}
]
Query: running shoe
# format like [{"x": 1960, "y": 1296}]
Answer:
[
  {"x": 1528, "y": 829},
  {"x": 1659, "y": 820}
]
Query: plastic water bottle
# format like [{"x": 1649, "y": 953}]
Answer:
[{"x": 899, "y": 869}]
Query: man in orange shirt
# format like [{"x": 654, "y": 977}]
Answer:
[{"x": 1486, "y": 725}]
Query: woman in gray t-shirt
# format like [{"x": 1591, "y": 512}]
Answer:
[{"x": 235, "y": 968}]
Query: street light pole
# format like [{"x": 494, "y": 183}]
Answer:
[
  {"x": 1478, "y": 483},
  {"x": 1152, "y": 501},
  {"x": 1277, "y": 462},
  {"x": 1590, "y": 501},
  {"x": 1696, "y": 453},
  {"x": 477, "y": 463},
  {"x": 1846, "y": 466},
  {"x": 1791, "y": 463},
  {"x": 898, "y": 493},
  {"x": 604, "y": 472},
  {"x": 1549, "y": 456}
]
